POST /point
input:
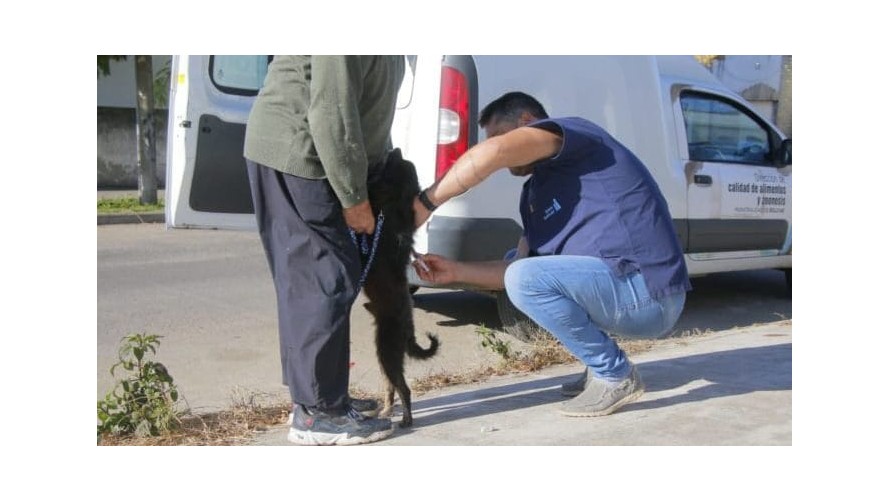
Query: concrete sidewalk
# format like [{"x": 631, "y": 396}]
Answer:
[{"x": 727, "y": 388}]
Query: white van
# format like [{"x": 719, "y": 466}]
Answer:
[{"x": 724, "y": 170}]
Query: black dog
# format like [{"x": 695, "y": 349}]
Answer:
[{"x": 392, "y": 191}]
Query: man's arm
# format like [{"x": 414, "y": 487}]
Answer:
[
  {"x": 334, "y": 121},
  {"x": 519, "y": 147},
  {"x": 488, "y": 275}
]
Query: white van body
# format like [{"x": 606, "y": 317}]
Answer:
[{"x": 724, "y": 169}]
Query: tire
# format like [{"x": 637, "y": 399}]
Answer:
[
  {"x": 788, "y": 281},
  {"x": 515, "y": 322}
]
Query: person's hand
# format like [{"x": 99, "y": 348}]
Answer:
[
  {"x": 435, "y": 269},
  {"x": 360, "y": 218},
  {"x": 421, "y": 213}
]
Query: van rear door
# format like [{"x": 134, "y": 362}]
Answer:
[{"x": 207, "y": 183}]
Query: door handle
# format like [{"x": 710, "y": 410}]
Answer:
[{"x": 702, "y": 180}]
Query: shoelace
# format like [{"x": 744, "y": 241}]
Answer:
[
  {"x": 362, "y": 244},
  {"x": 354, "y": 414}
]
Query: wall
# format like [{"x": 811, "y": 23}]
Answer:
[
  {"x": 116, "y": 127},
  {"x": 116, "y": 148}
]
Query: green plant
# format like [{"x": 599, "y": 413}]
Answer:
[
  {"x": 145, "y": 401},
  {"x": 161, "y": 85},
  {"x": 490, "y": 341},
  {"x": 126, "y": 205}
]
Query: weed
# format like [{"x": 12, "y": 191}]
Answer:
[
  {"x": 490, "y": 341},
  {"x": 543, "y": 350},
  {"x": 144, "y": 402}
]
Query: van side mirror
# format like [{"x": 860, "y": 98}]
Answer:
[{"x": 784, "y": 153}]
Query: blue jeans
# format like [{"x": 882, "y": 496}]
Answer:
[{"x": 578, "y": 298}]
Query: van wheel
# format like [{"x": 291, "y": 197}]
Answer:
[
  {"x": 515, "y": 322},
  {"x": 788, "y": 281}
]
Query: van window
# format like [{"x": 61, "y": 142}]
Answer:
[
  {"x": 717, "y": 130},
  {"x": 242, "y": 75}
]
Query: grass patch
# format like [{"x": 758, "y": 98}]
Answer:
[
  {"x": 543, "y": 351},
  {"x": 127, "y": 205},
  {"x": 249, "y": 414}
]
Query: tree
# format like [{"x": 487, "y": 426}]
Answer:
[
  {"x": 146, "y": 154},
  {"x": 103, "y": 64}
]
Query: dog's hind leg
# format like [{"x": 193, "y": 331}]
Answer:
[
  {"x": 388, "y": 399},
  {"x": 396, "y": 381},
  {"x": 392, "y": 362}
]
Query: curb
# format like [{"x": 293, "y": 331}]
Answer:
[{"x": 132, "y": 218}]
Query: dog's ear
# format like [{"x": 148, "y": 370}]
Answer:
[{"x": 395, "y": 155}]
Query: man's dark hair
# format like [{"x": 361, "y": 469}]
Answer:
[{"x": 510, "y": 107}]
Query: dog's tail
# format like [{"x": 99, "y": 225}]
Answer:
[{"x": 415, "y": 351}]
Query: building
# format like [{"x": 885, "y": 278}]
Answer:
[{"x": 765, "y": 81}]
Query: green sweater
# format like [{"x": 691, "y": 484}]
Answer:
[{"x": 326, "y": 117}]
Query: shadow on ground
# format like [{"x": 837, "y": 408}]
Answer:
[
  {"x": 717, "y": 302},
  {"x": 460, "y": 307},
  {"x": 726, "y": 373}
]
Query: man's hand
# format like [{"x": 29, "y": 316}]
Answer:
[
  {"x": 435, "y": 269},
  {"x": 360, "y": 218}
]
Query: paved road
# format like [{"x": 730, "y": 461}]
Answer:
[{"x": 210, "y": 296}]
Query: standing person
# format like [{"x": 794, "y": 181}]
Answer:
[
  {"x": 316, "y": 130},
  {"x": 598, "y": 252}
]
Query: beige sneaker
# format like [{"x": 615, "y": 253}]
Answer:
[
  {"x": 574, "y": 388},
  {"x": 600, "y": 397}
]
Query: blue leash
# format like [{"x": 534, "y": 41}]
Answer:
[{"x": 365, "y": 250}]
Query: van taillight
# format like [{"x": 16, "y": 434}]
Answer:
[{"x": 454, "y": 119}]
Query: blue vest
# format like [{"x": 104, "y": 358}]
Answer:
[{"x": 596, "y": 198}]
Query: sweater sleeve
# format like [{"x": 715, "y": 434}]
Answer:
[{"x": 335, "y": 91}]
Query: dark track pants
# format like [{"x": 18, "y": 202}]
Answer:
[{"x": 316, "y": 268}]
